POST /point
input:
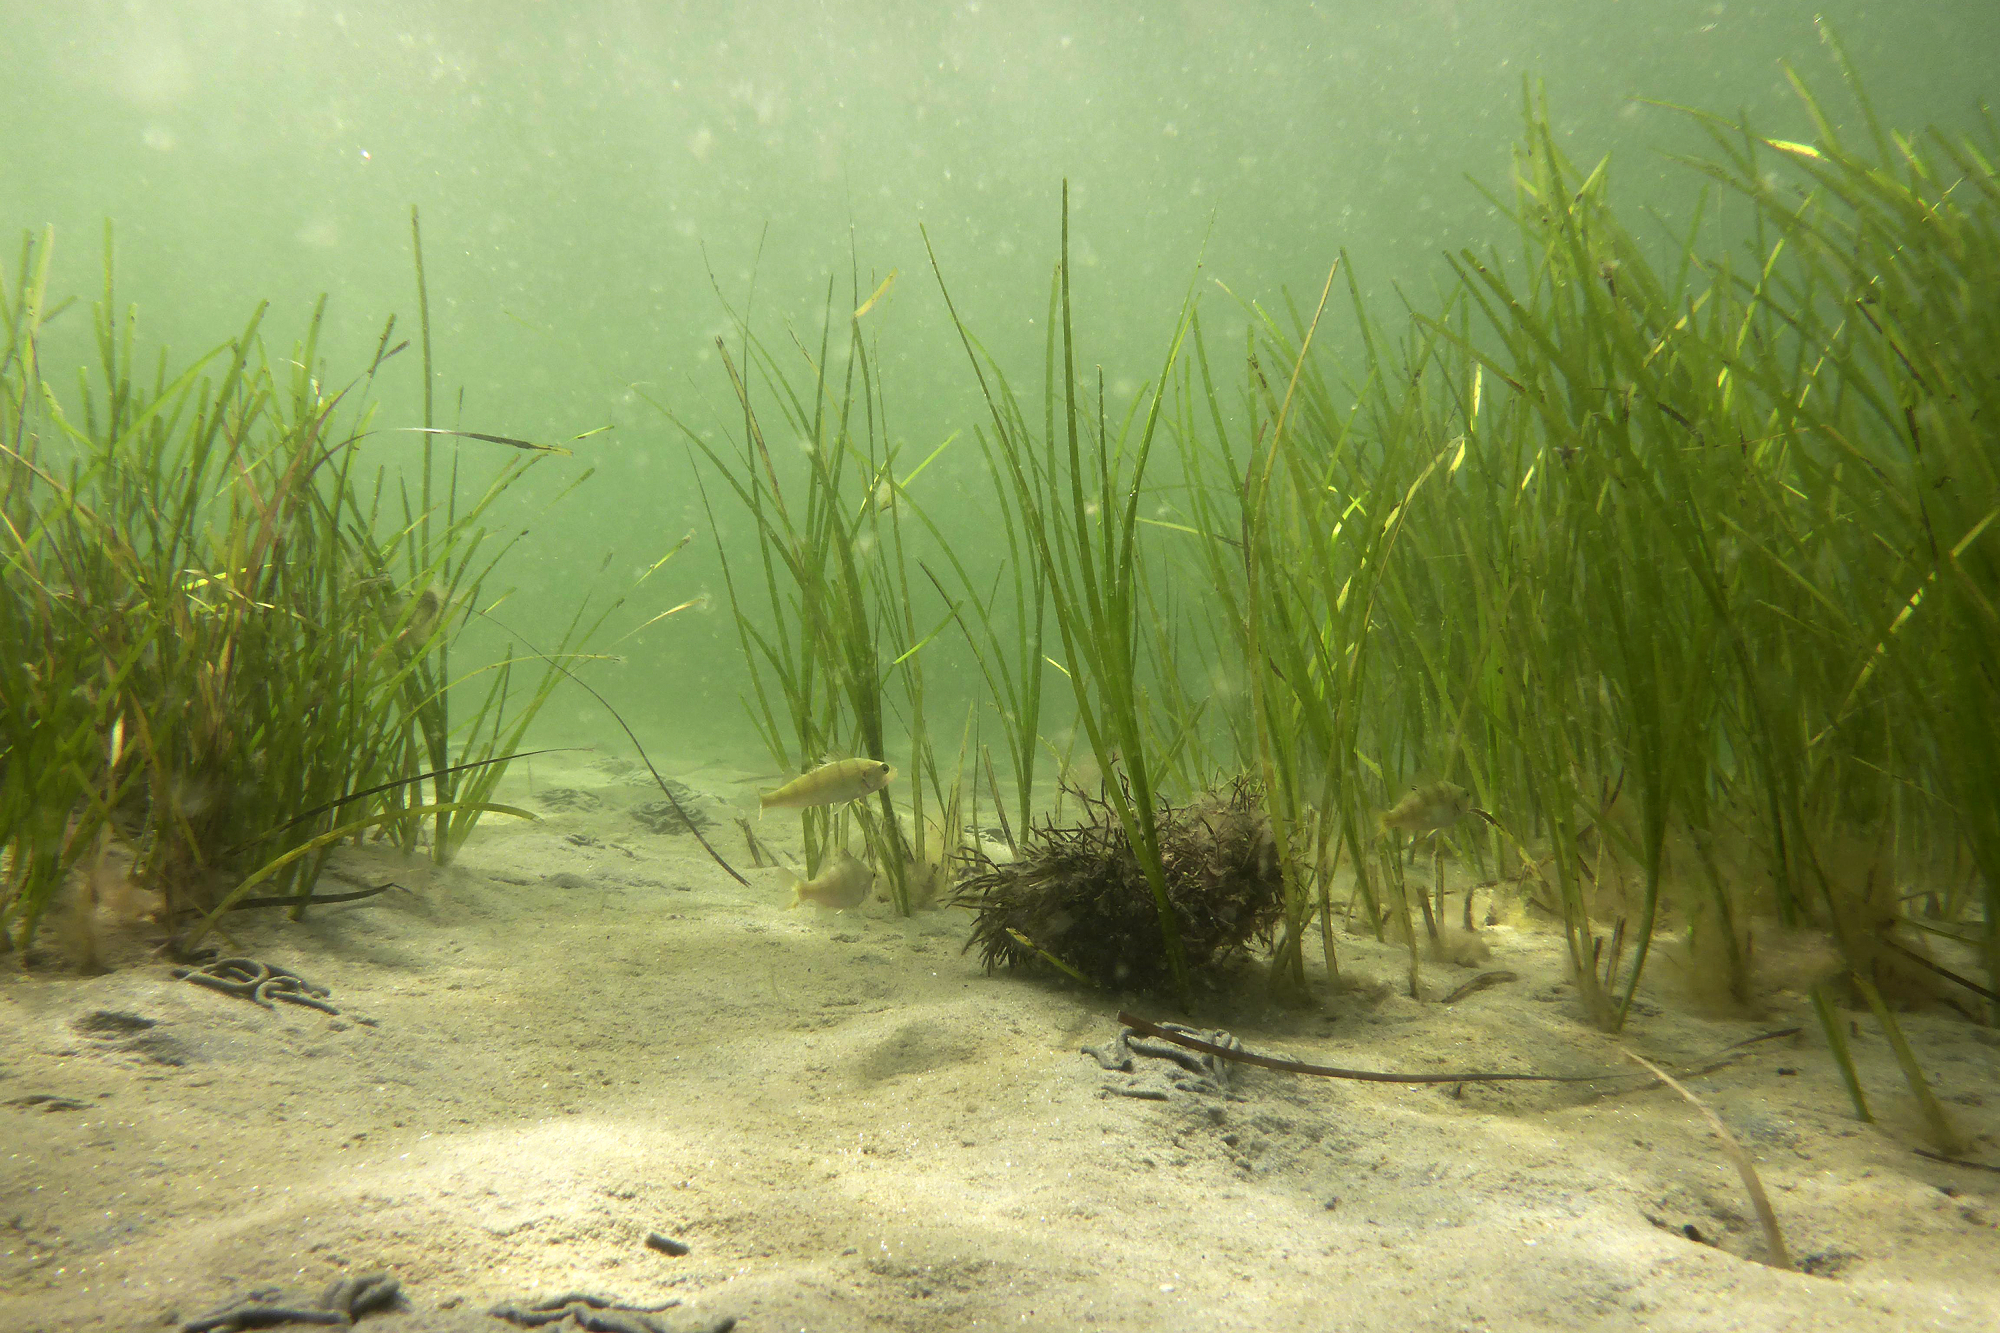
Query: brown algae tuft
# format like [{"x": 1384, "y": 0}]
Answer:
[{"x": 1077, "y": 896}]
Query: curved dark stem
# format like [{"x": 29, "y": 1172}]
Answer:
[
  {"x": 317, "y": 900},
  {"x": 664, "y": 789},
  {"x": 385, "y": 786},
  {"x": 1138, "y": 1024}
]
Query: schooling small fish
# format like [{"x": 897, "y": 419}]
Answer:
[
  {"x": 829, "y": 784},
  {"x": 1428, "y": 809},
  {"x": 842, "y": 885}
]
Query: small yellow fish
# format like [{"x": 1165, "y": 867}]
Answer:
[
  {"x": 880, "y": 292},
  {"x": 429, "y": 610},
  {"x": 829, "y": 784},
  {"x": 842, "y": 885},
  {"x": 1428, "y": 809}
]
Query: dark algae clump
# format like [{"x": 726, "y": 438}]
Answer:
[{"x": 1077, "y": 896}]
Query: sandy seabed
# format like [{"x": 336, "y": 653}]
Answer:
[{"x": 583, "y": 1033}]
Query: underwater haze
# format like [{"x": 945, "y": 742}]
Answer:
[
  {"x": 596, "y": 180},
  {"x": 1448, "y": 543}
]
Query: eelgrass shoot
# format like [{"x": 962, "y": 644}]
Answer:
[
  {"x": 1682, "y": 568},
  {"x": 829, "y": 627},
  {"x": 212, "y": 625}
]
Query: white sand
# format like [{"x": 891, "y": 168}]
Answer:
[{"x": 853, "y": 1127}]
